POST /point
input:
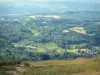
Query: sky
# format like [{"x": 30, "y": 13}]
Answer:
[
  {"x": 21, "y": 3},
  {"x": 53, "y": 5},
  {"x": 3, "y": 1},
  {"x": 25, "y": 2}
]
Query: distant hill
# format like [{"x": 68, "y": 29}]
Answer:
[{"x": 50, "y": 6}]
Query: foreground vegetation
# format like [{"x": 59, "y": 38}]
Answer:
[{"x": 52, "y": 67}]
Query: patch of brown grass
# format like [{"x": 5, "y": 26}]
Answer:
[
  {"x": 88, "y": 73},
  {"x": 61, "y": 67}
]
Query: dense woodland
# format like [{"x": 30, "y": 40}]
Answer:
[{"x": 69, "y": 35}]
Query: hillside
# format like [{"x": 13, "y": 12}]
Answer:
[
  {"x": 49, "y": 37},
  {"x": 49, "y": 29},
  {"x": 54, "y": 67},
  {"x": 35, "y": 37}
]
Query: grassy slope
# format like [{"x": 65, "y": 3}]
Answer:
[
  {"x": 60, "y": 67},
  {"x": 63, "y": 67},
  {"x": 39, "y": 47}
]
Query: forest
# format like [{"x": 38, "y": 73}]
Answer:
[{"x": 67, "y": 35}]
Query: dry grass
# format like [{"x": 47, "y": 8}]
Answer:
[
  {"x": 88, "y": 73},
  {"x": 60, "y": 62},
  {"x": 62, "y": 67}
]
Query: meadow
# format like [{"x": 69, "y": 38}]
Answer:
[{"x": 88, "y": 66}]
